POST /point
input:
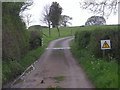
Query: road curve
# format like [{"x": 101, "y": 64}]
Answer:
[{"x": 56, "y": 61}]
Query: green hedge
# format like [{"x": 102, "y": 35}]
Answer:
[
  {"x": 91, "y": 36},
  {"x": 16, "y": 42},
  {"x": 14, "y": 36},
  {"x": 86, "y": 48}
]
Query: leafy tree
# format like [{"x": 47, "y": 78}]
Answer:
[
  {"x": 101, "y": 7},
  {"x": 55, "y": 14},
  {"x": 65, "y": 20},
  {"x": 46, "y": 17},
  {"x": 95, "y": 20}
]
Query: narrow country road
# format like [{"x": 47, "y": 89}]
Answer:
[{"x": 56, "y": 61}]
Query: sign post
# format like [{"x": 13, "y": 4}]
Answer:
[{"x": 105, "y": 44}]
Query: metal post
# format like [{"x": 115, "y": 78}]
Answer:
[{"x": 103, "y": 53}]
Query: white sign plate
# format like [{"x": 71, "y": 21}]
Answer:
[{"x": 105, "y": 44}]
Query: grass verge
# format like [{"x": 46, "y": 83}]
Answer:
[{"x": 102, "y": 73}]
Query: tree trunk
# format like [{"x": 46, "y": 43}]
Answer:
[
  {"x": 58, "y": 31},
  {"x": 65, "y": 25},
  {"x": 49, "y": 30}
]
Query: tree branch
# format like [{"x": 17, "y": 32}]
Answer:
[{"x": 104, "y": 8}]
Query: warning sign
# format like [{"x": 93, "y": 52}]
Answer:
[{"x": 105, "y": 44}]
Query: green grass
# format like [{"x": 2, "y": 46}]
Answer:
[
  {"x": 59, "y": 78},
  {"x": 64, "y": 31},
  {"x": 102, "y": 73}
]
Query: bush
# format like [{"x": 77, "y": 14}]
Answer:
[
  {"x": 91, "y": 39},
  {"x": 35, "y": 40},
  {"x": 82, "y": 39}
]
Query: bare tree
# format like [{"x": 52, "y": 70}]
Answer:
[
  {"x": 25, "y": 16},
  {"x": 46, "y": 17},
  {"x": 101, "y": 7},
  {"x": 28, "y": 19}
]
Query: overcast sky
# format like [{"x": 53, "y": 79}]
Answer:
[{"x": 70, "y": 8}]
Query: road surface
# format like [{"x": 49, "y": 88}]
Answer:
[{"x": 57, "y": 61}]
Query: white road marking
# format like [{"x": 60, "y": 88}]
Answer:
[{"x": 57, "y": 48}]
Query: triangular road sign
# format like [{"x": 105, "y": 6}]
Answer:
[{"x": 105, "y": 45}]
